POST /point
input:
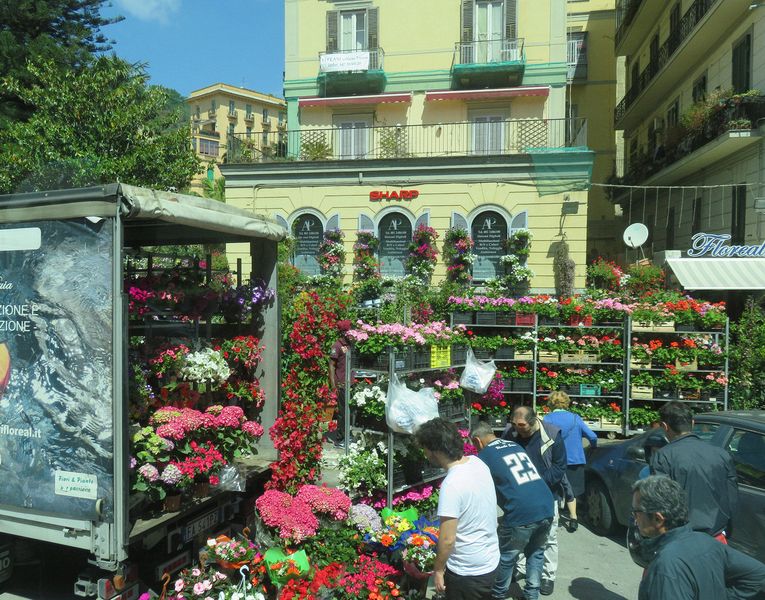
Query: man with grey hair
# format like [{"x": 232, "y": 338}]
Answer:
[
  {"x": 527, "y": 504},
  {"x": 687, "y": 564}
]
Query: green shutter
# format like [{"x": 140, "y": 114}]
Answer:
[
  {"x": 332, "y": 19},
  {"x": 467, "y": 20},
  {"x": 511, "y": 11},
  {"x": 372, "y": 39}
]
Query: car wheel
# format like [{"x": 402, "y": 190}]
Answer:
[{"x": 599, "y": 510}]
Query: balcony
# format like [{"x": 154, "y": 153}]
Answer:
[
  {"x": 702, "y": 26},
  {"x": 488, "y": 63},
  {"x": 353, "y": 72},
  {"x": 496, "y": 138},
  {"x": 634, "y": 20},
  {"x": 720, "y": 128},
  {"x": 249, "y": 118}
]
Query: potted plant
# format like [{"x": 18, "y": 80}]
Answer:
[
  {"x": 641, "y": 418},
  {"x": 642, "y": 385}
]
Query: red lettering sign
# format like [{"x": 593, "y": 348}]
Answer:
[{"x": 379, "y": 196}]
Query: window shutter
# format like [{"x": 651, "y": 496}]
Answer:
[
  {"x": 332, "y": 18},
  {"x": 467, "y": 20},
  {"x": 372, "y": 39},
  {"x": 511, "y": 10}
]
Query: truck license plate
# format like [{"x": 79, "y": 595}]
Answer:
[{"x": 203, "y": 523}]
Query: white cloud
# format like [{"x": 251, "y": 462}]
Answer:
[{"x": 151, "y": 10}]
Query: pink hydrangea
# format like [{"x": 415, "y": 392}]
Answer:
[
  {"x": 148, "y": 472},
  {"x": 252, "y": 428},
  {"x": 326, "y": 500},
  {"x": 292, "y": 517}
]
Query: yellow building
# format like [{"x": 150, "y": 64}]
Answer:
[
  {"x": 592, "y": 79},
  {"x": 221, "y": 111},
  {"x": 444, "y": 113},
  {"x": 692, "y": 116}
]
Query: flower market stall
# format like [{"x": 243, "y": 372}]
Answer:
[{"x": 141, "y": 382}]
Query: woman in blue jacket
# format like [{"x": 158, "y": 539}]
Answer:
[{"x": 572, "y": 429}]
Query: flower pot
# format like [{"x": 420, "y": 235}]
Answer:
[
  {"x": 505, "y": 352},
  {"x": 171, "y": 503},
  {"x": 451, "y": 410},
  {"x": 486, "y": 317},
  {"x": 413, "y": 572},
  {"x": 421, "y": 358},
  {"x": 201, "y": 489},
  {"x": 664, "y": 393},
  {"x": 463, "y": 317}
]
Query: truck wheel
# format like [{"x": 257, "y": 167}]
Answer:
[{"x": 599, "y": 510}]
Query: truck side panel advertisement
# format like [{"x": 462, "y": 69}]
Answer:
[{"x": 56, "y": 367}]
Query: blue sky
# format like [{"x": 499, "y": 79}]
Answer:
[{"x": 189, "y": 44}]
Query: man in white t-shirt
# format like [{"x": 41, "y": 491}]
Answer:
[{"x": 468, "y": 548}]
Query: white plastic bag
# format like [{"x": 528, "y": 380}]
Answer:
[
  {"x": 406, "y": 410},
  {"x": 478, "y": 374}
]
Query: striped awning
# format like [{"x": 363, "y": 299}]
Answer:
[
  {"x": 524, "y": 90},
  {"x": 719, "y": 273},
  {"x": 341, "y": 100}
]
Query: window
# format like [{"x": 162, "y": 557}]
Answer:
[
  {"x": 577, "y": 55},
  {"x": 264, "y": 139},
  {"x": 265, "y": 115},
  {"x": 738, "y": 215},
  {"x": 489, "y": 30},
  {"x": 213, "y": 105},
  {"x": 700, "y": 88},
  {"x": 231, "y": 107},
  {"x": 653, "y": 55},
  {"x": 635, "y": 78},
  {"x": 673, "y": 114},
  {"x": 208, "y": 147},
  {"x": 696, "y": 217},
  {"x": 197, "y": 111},
  {"x": 742, "y": 64},
  {"x": 281, "y": 118},
  {"x": 352, "y": 30},
  {"x": 248, "y": 110},
  {"x": 633, "y": 150},
  {"x": 748, "y": 451},
  {"x": 705, "y": 431},
  {"x": 231, "y": 129},
  {"x": 674, "y": 27},
  {"x": 487, "y": 132},
  {"x": 669, "y": 233},
  {"x": 248, "y": 132},
  {"x": 353, "y": 136}
]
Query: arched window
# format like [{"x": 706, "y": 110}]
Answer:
[
  {"x": 489, "y": 231},
  {"x": 395, "y": 232},
  {"x": 308, "y": 231}
]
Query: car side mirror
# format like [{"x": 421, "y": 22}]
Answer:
[{"x": 636, "y": 452}]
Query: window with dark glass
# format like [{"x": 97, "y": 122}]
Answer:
[
  {"x": 742, "y": 65},
  {"x": 696, "y": 217},
  {"x": 738, "y": 215},
  {"x": 673, "y": 113},
  {"x": 577, "y": 55},
  {"x": 700, "y": 88},
  {"x": 748, "y": 451},
  {"x": 669, "y": 231}
]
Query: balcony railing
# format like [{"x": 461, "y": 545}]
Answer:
[
  {"x": 685, "y": 28},
  {"x": 486, "y": 52},
  {"x": 501, "y": 137},
  {"x": 342, "y": 61}
]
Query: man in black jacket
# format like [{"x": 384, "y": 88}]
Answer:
[
  {"x": 544, "y": 445},
  {"x": 687, "y": 564},
  {"x": 704, "y": 471}
]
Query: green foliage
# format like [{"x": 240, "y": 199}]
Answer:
[
  {"x": 644, "y": 278},
  {"x": 97, "y": 125},
  {"x": 747, "y": 356},
  {"x": 316, "y": 150},
  {"x": 333, "y": 544},
  {"x": 64, "y": 32},
  {"x": 214, "y": 189},
  {"x": 564, "y": 269},
  {"x": 642, "y": 417}
]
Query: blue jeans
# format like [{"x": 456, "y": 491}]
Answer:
[{"x": 529, "y": 539}]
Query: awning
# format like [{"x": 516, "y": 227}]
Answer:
[
  {"x": 340, "y": 100},
  {"x": 527, "y": 90},
  {"x": 719, "y": 273}
]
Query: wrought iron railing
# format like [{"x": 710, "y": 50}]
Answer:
[
  {"x": 500, "y": 137},
  {"x": 351, "y": 60},
  {"x": 625, "y": 13},
  {"x": 685, "y": 28},
  {"x": 489, "y": 51}
]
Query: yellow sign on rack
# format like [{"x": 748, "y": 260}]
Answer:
[{"x": 440, "y": 356}]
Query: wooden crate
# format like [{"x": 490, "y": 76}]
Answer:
[
  {"x": 691, "y": 366},
  {"x": 642, "y": 326},
  {"x": 588, "y": 357},
  {"x": 640, "y": 363},
  {"x": 610, "y": 424},
  {"x": 641, "y": 392},
  {"x": 570, "y": 357},
  {"x": 548, "y": 356},
  {"x": 663, "y": 326},
  {"x": 524, "y": 355}
]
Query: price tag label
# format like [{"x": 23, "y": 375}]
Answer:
[{"x": 440, "y": 356}]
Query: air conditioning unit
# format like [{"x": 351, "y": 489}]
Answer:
[{"x": 658, "y": 124}]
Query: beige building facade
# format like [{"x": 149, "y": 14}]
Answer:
[{"x": 394, "y": 123}]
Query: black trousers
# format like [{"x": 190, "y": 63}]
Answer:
[
  {"x": 340, "y": 415},
  {"x": 468, "y": 587}
]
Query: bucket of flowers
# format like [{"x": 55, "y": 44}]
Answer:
[
  {"x": 232, "y": 554},
  {"x": 419, "y": 552}
]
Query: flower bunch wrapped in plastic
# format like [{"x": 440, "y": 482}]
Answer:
[{"x": 236, "y": 552}]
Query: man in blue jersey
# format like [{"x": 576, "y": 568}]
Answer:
[{"x": 528, "y": 507}]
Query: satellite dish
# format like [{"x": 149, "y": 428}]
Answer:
[{"x": 635, "y": 235}]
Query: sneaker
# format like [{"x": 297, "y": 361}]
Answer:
[
  {"x": 340, "y": 444},
  {"x": 546, "y": 588},
  {"x": 572, "y": 525}
]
